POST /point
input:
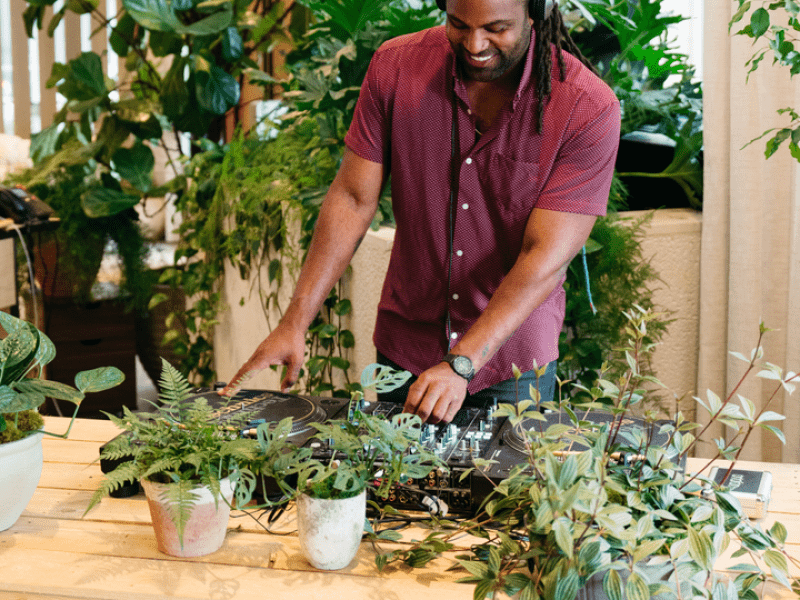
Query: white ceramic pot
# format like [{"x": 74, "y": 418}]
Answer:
[
  {"x": 205, "y": 530},
  {"x": 20, "y": 469},
  {"x": 330, "y": 530}
]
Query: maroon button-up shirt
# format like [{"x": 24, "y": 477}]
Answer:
[{"x": 403, "y": 120}]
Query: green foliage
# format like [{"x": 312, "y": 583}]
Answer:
[
  {"x": 365, "y": 448},
  {"x": 637, "y": 70},
  {"x": 776, "y": 24},
  {"x": 182, "y": 442},
  {"x": 24, "y": 351},
  {"x": 100, "y": 145},
  {"x": 595, "y": 500},
  {"x": 244, "y": 198},
  {"x": 620, "y": 276}
]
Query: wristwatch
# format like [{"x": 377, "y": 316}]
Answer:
[{"x": 462, "y": 365}]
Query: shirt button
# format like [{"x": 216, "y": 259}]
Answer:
[
  {"x": 459, "y": 252},
  {"x": 453, "y": 335},
  {"x": 455, "y": 296},
  {"x": 465, "y": 206},
  {"x": 469, "y": 111},
  {"x": 468, "y": 161}
]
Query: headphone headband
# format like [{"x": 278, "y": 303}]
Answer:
[{"x": 538, "y": 10}]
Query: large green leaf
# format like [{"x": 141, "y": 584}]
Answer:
[
  {"x": 160, "y": 15},
  {"x": 21, "y": 401},
  {"x": 17, "y": 352},
  {"x": 174, "y": 90},
  {"x": 232, "y": 44},
  {"x": 103, "y": 202},
  {"x": 84, "y": 78},
  {"x": 99, "y": 379},
  {"x": 136, "y": 165},
  {"x": 216, "y": 91},
  {"x": 49, "y": 389}
]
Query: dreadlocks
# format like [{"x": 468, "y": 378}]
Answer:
[{"x": 551, "y": 31}]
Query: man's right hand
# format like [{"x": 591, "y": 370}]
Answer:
[{"x": 284, "y": 346}]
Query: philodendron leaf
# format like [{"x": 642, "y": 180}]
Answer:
[
  {"x": 99, "y": 379},
  {"x": 7, "y": 395},
  {"x": 21, "y": 401},
  {"x": 383, "y": 378},
  {"x": 136, "y": 165},
  {"x": 49, "y": 389},
  {"x": 104, "y": 202}
]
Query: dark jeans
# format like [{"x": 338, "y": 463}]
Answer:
[{"x": 503, "y": 392}]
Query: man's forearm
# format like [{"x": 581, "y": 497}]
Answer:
[
  {"x": 340, "y": 229},
  {"x": 520, "y": 293},
  {"x": 552, "y": 240}
]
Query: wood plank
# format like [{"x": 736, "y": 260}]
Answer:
[
  {"x": 71, "y": 476},
  {"x": 21, "y": 71},
  {"x": 73, "y": 451},
  {"x": 74, "y": 573},
  {"x": 86, "y": 430},
  {"x": 47, "y": 54},
  {"x": 72, "y": 34},
  {"x": 138, "y": 541}
]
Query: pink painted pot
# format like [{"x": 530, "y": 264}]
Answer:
[{"x": 206, "y": 527}]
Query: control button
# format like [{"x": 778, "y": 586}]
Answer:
[
  {"x": 468, "y": 161},
  {"x": 459, "y": 253},
  {"x": 455, "y": 296}
]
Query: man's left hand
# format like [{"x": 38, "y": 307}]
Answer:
[{"x": 437, "y": 394}]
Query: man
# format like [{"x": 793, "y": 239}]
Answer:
[{"x": 499, "y": 173}]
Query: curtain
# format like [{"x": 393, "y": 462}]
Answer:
[{"x": 750, "y": 256}]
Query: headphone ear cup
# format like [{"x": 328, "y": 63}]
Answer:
[{"x": 539, "y": 10}]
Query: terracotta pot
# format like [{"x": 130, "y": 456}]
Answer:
[
  {"x": 58, "y": 276},
  {"x": 330, "y": 530},
  {"x": 205, "y": 530},
  {"x": 20, "y": 469}
]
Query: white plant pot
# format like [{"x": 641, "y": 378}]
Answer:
[
  {"x": 330, "y": 530},
  {"x": 20, "y": 469},
  {"x": 205, "y": 530}
]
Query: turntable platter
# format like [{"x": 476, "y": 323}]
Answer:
[{"x": 270, "y": 407}]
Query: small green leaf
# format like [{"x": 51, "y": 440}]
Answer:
[
  {"x": 759, "y": 22},
  {"x": 97, "y": 380}
]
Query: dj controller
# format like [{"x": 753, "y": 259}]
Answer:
[{"x": 473, "y": 433}]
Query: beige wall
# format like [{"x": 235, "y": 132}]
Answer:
[{"x": 672, "y": 243}]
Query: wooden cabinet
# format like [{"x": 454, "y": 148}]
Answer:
[{"x": 99, "y": 334}]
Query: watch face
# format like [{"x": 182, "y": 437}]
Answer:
[{"x": 462, "y": 365}]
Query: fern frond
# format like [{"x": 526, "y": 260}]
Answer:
[{"x": 174, "y": 387}]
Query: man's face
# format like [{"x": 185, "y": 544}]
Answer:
[{"x": 489, "y": 37}]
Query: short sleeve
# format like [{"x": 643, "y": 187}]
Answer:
[
  {"x": 580, "y": 179},
  {"x": 369, "y": 134}
]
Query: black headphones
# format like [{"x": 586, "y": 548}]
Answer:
[{"x": 539, "y": 10}]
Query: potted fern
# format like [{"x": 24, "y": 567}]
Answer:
[
  {"x": 598, "y": 509},
  {"x": 188, "y": 462},
  {"x": 24, "y": 351}
]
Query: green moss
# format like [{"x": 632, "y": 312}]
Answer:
[{"x": 20, "y": 424}]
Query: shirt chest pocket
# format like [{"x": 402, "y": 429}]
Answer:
[{"x": 511, "y": 186}]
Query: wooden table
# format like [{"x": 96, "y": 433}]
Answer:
[{"x": 54, "y": 553}]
